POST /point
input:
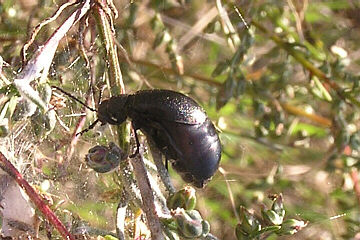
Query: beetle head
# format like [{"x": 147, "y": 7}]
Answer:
[{"x": 114, "y": 110}]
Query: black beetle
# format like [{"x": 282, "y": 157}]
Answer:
[{"x": 176, "y": 124}]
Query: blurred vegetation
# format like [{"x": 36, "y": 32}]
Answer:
[{"x": 280, "y": 80}]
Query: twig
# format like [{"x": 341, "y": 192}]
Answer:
[
  {"x": 104, "y": 23},
  {"x": 127, "y": 179},
  {"x": 298, "y": 19},
  {"x": 7, "y": 166},
  {"x": 233, "y": 39},
  {"x": 210, "y": 237},
  {"x": 265, "y": 142},
  {"x": 147, "y": 197},
  {"x": 287, "y": 107},
  {"x": 231, "y": 195},
  {"x": 313, "y": 117}
]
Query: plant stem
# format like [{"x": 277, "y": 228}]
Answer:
[
  {"x": 147, "y": 196},
  {"x": 107, "y": 37}
]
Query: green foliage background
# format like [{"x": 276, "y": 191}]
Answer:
[{"x": 283, "y": 90}]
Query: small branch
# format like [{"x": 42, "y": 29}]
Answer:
[
  {"x": 147, "y": 197},
  {"x": 233, "y": 39},
  {"x": 126, "y": 177},
  {"x": 313, "y": 117},
  {"x": 197, "y": 28},
  {"x": 210, "y": 237},
  {"x": 231, "y": 195},
  {"x": 35, "y": 198},
  {"x": 273, "y": 146}
]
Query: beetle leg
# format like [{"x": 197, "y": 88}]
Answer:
[{"x": 87, "y": 129}]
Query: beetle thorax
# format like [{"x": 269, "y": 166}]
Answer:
[{"x": 114, "y": 110}]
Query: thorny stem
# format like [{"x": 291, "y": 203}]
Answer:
[{"x": 7, "y": 166}]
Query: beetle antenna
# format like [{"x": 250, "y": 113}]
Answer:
[
  {"x": 74, "y": 98},
  {"x": 88, "y": 128}
]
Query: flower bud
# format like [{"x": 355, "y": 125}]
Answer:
[
  {"x": 190, "y": 223},
  {"x": 272, "y": 217},
  {"x": 185, "y": 198},
  {"x": 278, "y": 206},
  {"x": 249, "y": 224},
  {"x": 171, "y": 234}
]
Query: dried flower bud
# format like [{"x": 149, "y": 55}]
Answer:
[{"x": 104, "y": 159}]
